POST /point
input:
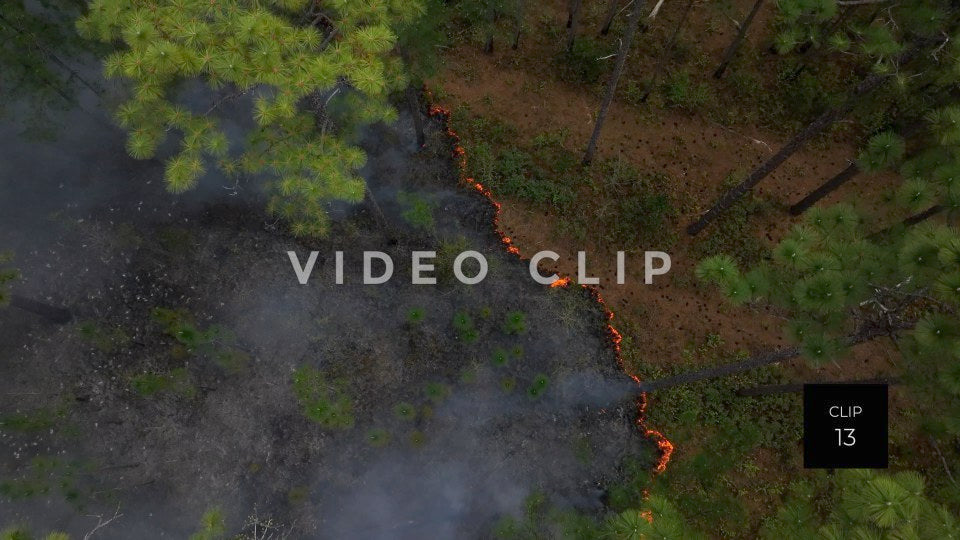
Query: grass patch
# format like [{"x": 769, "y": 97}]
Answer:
[
  {"x": 323, "y": 400},
  {"x": 105, "y": 339},
  {"x": 151, "y": 383}
]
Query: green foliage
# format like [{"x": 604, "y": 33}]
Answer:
[
  {"x": 508, "y": 384},
  {"x": 584, "y": 64},
  {"x": 179, "y": 325},
  {"x": 419, "y": 40},
  {"x": 322, "y": 399},
  {"x": 500, "y": 357},
  {"x": 418, "y": 212},
  {"x": 682, "y": 93},
  {"x": 883, "y": 150},
  {"x": 42, "y": 477},
  {"x": 417, "y": 438},
  {"x": 212, "y": 526},
  {"x": 38, "y": 41},
  {"x": 214, "y": 341},
  {"x": 834, "y": 281},
  {"x": 41, "y": 419},
  {"x": 732, "y": 234},
  {"x": 515, "y": 322},
  {"x": 405, "y": 411},
  {"x": 341, "y": 73},
  {"x": 415, "y": 315},
  {"x": 437, "y": 392},
  {"x": 151, "y": 383},
  {"x": 23, "y": 533},
  {"x": 463, "y": 324},
  {"x": 107, "y": 340},
  {"x": 865, "y": 504},
  {"x": 658, "y": 519},
  {"x": 378, "y": 438},
  {"x": 538, "y": 386}
]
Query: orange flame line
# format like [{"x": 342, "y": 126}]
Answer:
[{"x": 664, "y": 446}]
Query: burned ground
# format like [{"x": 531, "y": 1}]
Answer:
[{"x": 430, "y": 416}]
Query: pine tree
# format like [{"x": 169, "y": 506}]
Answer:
[
  {"x": 865, "y": 504},
  {"x": 836, "y": 285},
  {"x": 911, "y": 52},
  {"x": 37, "y": 43},
  {"x": 311, "y": 86},
  {"x": 418, "y": 42},
  {"x": 657, "y": 519}
]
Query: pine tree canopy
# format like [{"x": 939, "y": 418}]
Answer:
[
  {"x": 314, "y": 73},
  {"x": 865, "y": 504},
  {"x": 35, "y": 40},
  {"x": 834, "y": 281}
]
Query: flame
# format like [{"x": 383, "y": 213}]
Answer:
[{"x": 664, "y": 446}]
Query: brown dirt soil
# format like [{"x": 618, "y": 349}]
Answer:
[{"x": 670, "y": 314}]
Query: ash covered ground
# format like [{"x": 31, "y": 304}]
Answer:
[{"x": 435, "y": 418}]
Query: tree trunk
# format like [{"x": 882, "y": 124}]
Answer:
[
  {"x": 754, "y": 362},
  {"x": 48, "y": 312},
  {"x": 666, "y": 52},
  {"x": 768, "y": 389},
  {"x": 611, "y": 14},
  {"x": 488, "y": 46},
  {"x": 573, "y": 23},
  {"x": 909, "y": 221},
  {"x": 825, "y": 189},
  {"x": 414, "y": 102},
  {"x": 519, "y": 15},
  {"x": 737, "y": 41},
  {"x": 625, "y": 44},
  {"x": 813, "y": 129},
  {"x": 922, "y": 216}
]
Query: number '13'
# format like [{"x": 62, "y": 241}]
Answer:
[{"x": 845, "y": 437}]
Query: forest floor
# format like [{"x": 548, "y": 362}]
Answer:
[{"x": 518, "y": 102}]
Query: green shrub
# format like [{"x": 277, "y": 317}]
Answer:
[
  {"x": 416, "y": 315},
  {"x": 418, "y": 210},
  {"x": 378, "y": 438},
  {"x": 176, "y": 380},
  {"x": 417, "y": 439},
  {"x": 437, "y": 392},
  {"x": 463, "y": 324},
  {"x": 583, "y": 63},
  {"x": 323, "y": 400},
  {"x": 212, "y": 526},
  {"x": 107, "y": 340},
  {"x": 405, "y": 411},
  {"x": 37, "y": 420},
  {"x": 680, "y": 92},
  {"x": 515, "y": 323},
  {"x": 538, "y": 386},
  {"x": 500, "y": 357}
]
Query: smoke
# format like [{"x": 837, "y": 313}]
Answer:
[{"x": 96, "y": 231}]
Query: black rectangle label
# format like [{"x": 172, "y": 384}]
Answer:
[{"x": 845, "y": 426}]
